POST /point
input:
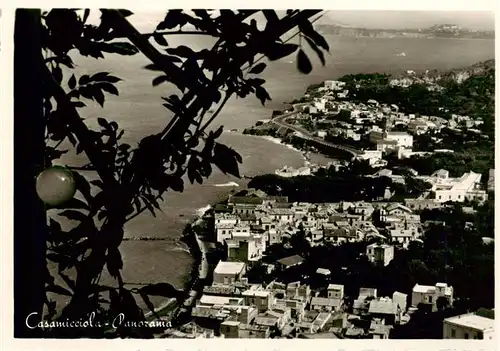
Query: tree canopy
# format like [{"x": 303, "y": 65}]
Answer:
[{"x": 129, "y": 180}]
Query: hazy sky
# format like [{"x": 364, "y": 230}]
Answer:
[
  {"x": 146, "y": 21},
  {"x": 411, "y": 19}
]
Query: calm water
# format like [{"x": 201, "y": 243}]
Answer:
[{"x": 139, "y": 111}]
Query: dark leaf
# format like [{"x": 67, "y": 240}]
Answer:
[
  {"x": 58, "y": 290},
  {"x": 86, "y": 14},
  {"x": 182, "y": 51},
  {"x": 317, "y": 50},
  {"x": 98, "y": 77},
  {"x": 97, "y": 183},
  {"x": 78, "y": 104},
  {"x": 125, "y": 13},
  {"x": 148, "y": 303},
  {"x": 114, "y": 262},
  {"x": 160, "y": 79},
  {"x": 121, "y": 48},
  {"x": 84, "y": 79},
  {"x": 307, "y": 29},
  {"x": 173, "y": 19},
  {"x": 176, "y": 183},
  {"x": 152, "y": 67},
  {"x": 160, "y": 289},
  {"x": 54, "y": 225},
  {"x": 160, "y": 39},
  {"x": 102, "y": 215},
  {"x": 57, "y": 73},
  {"x": 226, "y": 159},
  {"x": 108, "y": 87},
  {"x": 259, "y": 68},
  {"x": 74, "y": 215},
  {"x": 103, "y": 123},
  {"x": 72, "y": 82},
  {"x": 303, "y": 63},
  {"x": 256, "y": 81},
  {"x": 262, "y": 94},
  {"x": 83, "y": 186},
  {"x": 218, "y": 132},
  {"x": 148, "y": 206},
  {"x": 98, "y": 95},
  {"x": 112, "y": 79},
  {"x": 67, "y": 280},
  {"x": 278, "y": 51}
]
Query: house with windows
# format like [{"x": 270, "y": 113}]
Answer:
[
  {"x": 380, "y": 254},
  {"x": 228, "y": 272},
  {"x": 467, "y": 187},
  {"x": 469, "y": 326},
  {"x": 429, "y": 295}
]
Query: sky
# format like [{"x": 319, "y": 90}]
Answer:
[
  {"x": 411, "y": 19},
  {"x": 147, "y": 21}
]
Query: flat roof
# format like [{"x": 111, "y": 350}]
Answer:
[
  {"x": 259, "y": 293},
  {"x": 224, "y": 267},
  {"x": 335, "y": 286},
  {"x": 233, "y": 323},
  {"x": 472, "y": 321},
  {"x": 218, "y": 300}
]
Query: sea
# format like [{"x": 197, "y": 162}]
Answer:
[{"x": 138, "y": 110}]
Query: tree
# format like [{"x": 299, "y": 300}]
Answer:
[{"x": 128, "y": 181}]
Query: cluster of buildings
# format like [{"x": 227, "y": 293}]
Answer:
[
  {"x": 444, "y": 188},
  {"x": 246, "y": 225},
  {"x": 231, "y": 307},
  {"x": 378, "y": 121}
]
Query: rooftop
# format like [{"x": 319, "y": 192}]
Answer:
[
  {"x": 472, "y": 321},
  {"x": 259, "y": 293},
  {"x": 335, "y": 286},
  {"x": 291, "y": 260},
  {"x": 383, "y": 307},
  {"x": 323, "y": 301},
  {"x": 229, "y": 267},
  {"x": 219, "y": 300}
]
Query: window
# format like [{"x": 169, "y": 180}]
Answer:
[
  {"x": 453, "y": 333},
  {"x": 430, "y": 299}
]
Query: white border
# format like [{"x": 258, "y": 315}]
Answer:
[{"x": 6, "y": 139}]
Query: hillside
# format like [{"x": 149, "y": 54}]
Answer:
[{"x": 436, "y": 31}]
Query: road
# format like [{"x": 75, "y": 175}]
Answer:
[{"x": 305, "y": 134}]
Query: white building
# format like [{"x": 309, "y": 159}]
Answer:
[
  {"x": 228, "y": 272},
  {"x": 335, "y": 291},
  {"x": 334, "y": 84},
  {"x": 380, "y": 254},
  {"x": 427, "y": 294},
  {"x": 373, "y": 156},
  {"x": 402, "y": 138},
  {"x": 467, "y": 187},
  {"x": 225, "y": 231},
  {"x": 469, "y": 326}
]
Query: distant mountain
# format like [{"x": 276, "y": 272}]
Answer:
[{"x": 436, "y": 31}]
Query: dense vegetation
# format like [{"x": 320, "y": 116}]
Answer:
[
  {"x": 473, "y": 97},
  {"x": 348, "y": 184}
]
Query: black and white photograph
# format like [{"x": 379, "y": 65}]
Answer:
[{"x": 253, "y": 174}]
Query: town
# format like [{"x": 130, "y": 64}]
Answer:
[{"x": 270, "y": 284}]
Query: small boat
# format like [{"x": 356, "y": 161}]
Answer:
[{"x": 401, "y": 54}]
